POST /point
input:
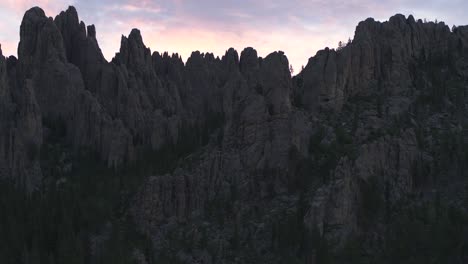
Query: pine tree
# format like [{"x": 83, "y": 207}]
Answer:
[{"x": 340, "y": 45}]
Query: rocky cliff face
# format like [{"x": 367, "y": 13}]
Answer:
[
  {"x": 381, "y": 57},
  {"x": 21, "y": 130},
  {"x": 265, "y": 168}
]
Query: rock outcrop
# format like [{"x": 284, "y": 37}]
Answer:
[
  {"x": 258, "y": 166},
  {"x": 20, "y": 129},
  {"x": 362, "y": 91},
  {"x": 379, "y": 59}
]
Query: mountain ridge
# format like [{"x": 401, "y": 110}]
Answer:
[{"x": 236, "y": 156}]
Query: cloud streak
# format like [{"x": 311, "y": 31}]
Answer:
[{"x": 298, "y": 27}]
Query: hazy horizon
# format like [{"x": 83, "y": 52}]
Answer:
[{"x": 299, "y": 28}]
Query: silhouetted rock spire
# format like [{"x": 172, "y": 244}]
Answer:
[
  {"x": 244, "y": 153},
  {"x": 380, "y": 54}
]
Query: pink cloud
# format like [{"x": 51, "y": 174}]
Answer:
[
  {"x": 184, "y": 40},
  {"x": 51, "y": 8},
  {"x": 9, "y": 47},
  {"x": 184, "y": 32},
  {"x": 12, "y": 12},
  {"x": 297, "y": 27}
]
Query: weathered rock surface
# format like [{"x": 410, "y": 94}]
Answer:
[
  {"x": 269, "y": 168},
  {"x": 370, "y": 86},
  {"x": 20, "y": 128},
  {"x": 380, "y": 58}
]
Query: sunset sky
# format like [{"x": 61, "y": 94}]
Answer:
[{"x": 297, "y": 27}]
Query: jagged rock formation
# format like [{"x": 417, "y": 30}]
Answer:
[
  {"x": 21, "y": 130},
  {"x": 266, "y": 168},
  {"x": 381, "y": 56},
  {"x": 381, "y": 62}
]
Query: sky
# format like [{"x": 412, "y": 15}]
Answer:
[{"x": 298, "y": 27}]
